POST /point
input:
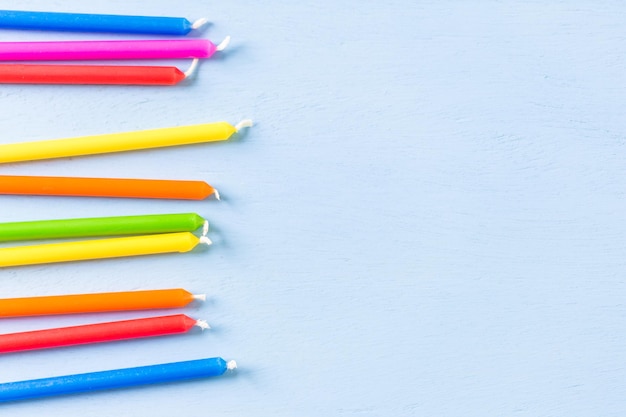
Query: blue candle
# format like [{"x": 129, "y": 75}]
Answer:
[
  {"x": 119, "y": 378},
  {"x": 80, "y": 22}
]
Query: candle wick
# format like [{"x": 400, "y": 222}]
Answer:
[
  {"x": 199, "y": 297},
  {"x": 216, "y": 194},
  {"x": 199, "y": 23},
  {"x": 231, "y": 365},
  {"x": 203, "y": 325},
  {"x": 205, "y": 228},
  {"x": 243, "y": 123},
  {"x": 192, "y": 68},
  {"x": 205, "y": 240},
  {"x": 223, "y": 44}
]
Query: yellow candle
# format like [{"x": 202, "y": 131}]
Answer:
[
  {"x": 100, "y": 249},
  {"x": 119, "y": 142}
]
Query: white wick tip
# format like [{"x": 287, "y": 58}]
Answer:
[
  {"x": 205, "y": 240},
  {"x": 223, "y": 44},
  {"x": 190, "y": 71},
  {"x": 199, "y": 297},
  {"x": 199, "y": 23},
  {"x": 244, "y": 123},
  {"x": 216, "y": 194},
  {"x": 203, "y": 324},
  {"x": 231, "y": 365},
  {"x": 205, "y": 228}
]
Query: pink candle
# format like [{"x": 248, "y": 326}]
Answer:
[{"x": 101, "y": 50}]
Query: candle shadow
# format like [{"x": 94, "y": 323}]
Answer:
[
  {"x": 243, "y": 134},
  {"x": 130, "y": 344},
  {"x": 217, "y": 236},
  {"x": 201, "y": 248},
  {"x": 201, "y": 32},
  {"x": 228, "y": 53},
  {"x": 138, "y": 389},
  {"x": 228, "y": 199},
  {"x": 169, "y": 205},
  {"x": 97, "y": 317},
  {"x": 240, "y": 373},
  {"x": 238, "y": 137},
  {"x": 214, "y": 330},
  {"x": 211, "y": 301}
]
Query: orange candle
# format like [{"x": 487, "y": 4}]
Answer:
[
  {"x": 98, "y": 302},
  {"x": 106, "y": 187}
]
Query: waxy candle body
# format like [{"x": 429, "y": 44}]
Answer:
[
  {"x": 120, "y": 378},
  {"x": 100, "y": 226},
  {"x": 116, "y": 142},
  {"x": 98, "y": 249},
  {"x": 105, "y": 187},
  {"x": 89, "y": 74},
  {"x": 96, "y": 333},
  {"x": 95, "y": 303},
  {"x": 103, "y": 50},
  {"x": 82, "y": 22}
]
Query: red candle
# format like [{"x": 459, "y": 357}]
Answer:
[
  {"x": 97, "y": 333},
  {"x": 92, "y": 74}
]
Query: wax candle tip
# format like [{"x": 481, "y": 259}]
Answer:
[
  {"x": 203, "y": 324},
  {"x": 199, "y": 23},
  {"x": 244, "y": 123},
  {"x": 216, "y": 194},
  {"x": 205, "y": 228},
  {"x": 223, "y": 44},
  {"x": 199, "y": 297},
  {"x": 192, "y": 68},
  {"x": 231, "y": 365}
]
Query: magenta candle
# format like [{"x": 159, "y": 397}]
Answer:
[{"x": 103, "y": 50}]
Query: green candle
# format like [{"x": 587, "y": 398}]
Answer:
[{"x": 101, "y": 226}]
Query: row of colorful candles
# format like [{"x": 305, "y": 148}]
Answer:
[
  {"x": 101, "y": 50},
  {"x": 118, "y": 236}
]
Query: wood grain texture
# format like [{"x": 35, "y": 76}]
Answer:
[{"x": 426, "y": 221}]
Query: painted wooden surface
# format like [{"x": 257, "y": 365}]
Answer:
[{"x": 428, "y": 218}]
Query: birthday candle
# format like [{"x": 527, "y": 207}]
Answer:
[
  {"x": 82, "y": 22},
  {"x": 97, "y": 302},
  {"x": 101, "y": 50},
  {"x": 98, "y": 333},
  {"x": 119, "y": 142},
  {"x": 101, "y": 226},
  {"x": 106, "y": 187},
  {"x": 100, "y": 249},
  {"x": 119, "y": 378},
  {"x": 93, "y": 74}
]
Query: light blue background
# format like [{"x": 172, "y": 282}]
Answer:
[{"x": 427, "y": 220}]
